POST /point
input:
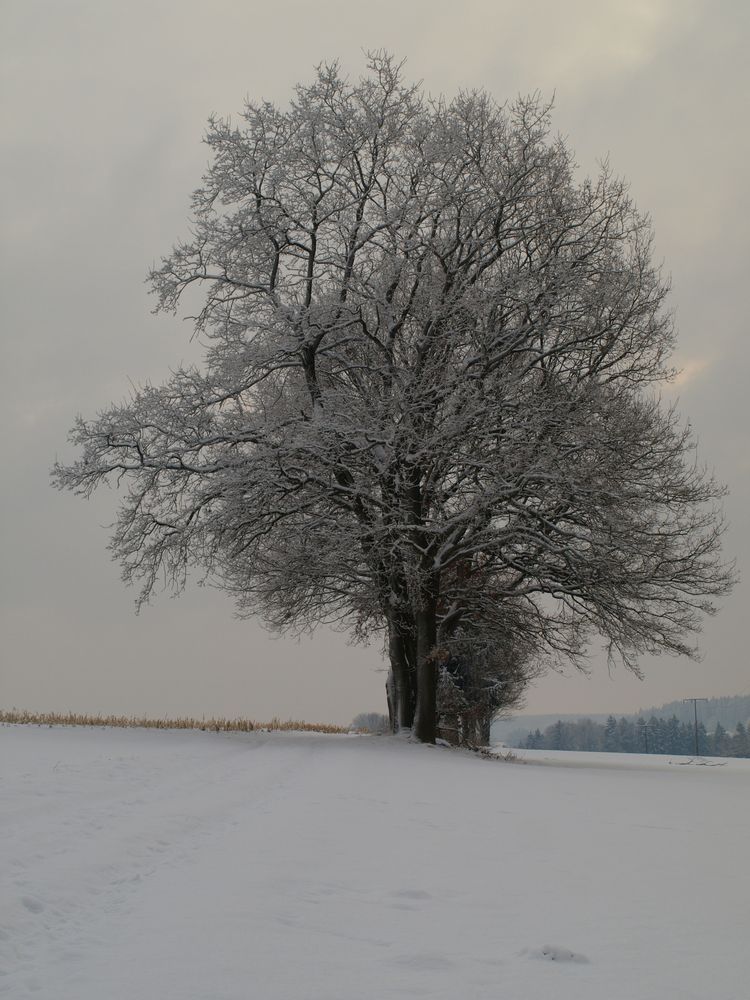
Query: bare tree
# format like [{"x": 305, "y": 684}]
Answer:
[
  {"x": 371, "y": 722},
  {"x": 429, "y": 405}
]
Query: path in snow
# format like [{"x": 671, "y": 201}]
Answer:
[{"x": 153, "y": 865}]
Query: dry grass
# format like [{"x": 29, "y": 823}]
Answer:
[{"x": 130, "y": 722}]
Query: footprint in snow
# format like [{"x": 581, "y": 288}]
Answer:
[
  {"x": 406, "y": 899},
  {"x": 552, "y": 953},
  {"x": 411, "y": 894},
  {"x": 32, "y": 905}
]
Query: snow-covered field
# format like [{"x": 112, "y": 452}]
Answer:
[{"x": 157, "y": 865}]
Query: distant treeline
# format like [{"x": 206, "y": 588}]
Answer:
[
  {"x": 728, "y": 711},
  {"x": 651, "y": 735}
]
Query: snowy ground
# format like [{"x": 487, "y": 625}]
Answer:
[{"x": 152, "y": 865}]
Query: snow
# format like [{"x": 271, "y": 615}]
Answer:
[{"x": 169, "y": 865}]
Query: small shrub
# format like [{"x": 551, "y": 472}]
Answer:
[{"x": 371, "y": 722}]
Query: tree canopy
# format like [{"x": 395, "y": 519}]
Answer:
[{"x": 429, "y": 405}]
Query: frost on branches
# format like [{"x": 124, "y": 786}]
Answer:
[{"x": 429, "y": 405}]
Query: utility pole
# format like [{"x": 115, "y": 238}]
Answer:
[
  {"x": 695, "y": 713},
  {"x": 643, "y": 728}
]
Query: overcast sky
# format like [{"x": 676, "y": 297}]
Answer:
[{"x": 104, "y": 105}]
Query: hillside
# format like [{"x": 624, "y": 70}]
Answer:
[{"x": 160, "y": 865}]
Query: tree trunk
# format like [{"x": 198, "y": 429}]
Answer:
[
  {"x": 400, "y": 692},
  {"x": 390, "y": 697},
  {"x": 484, "y": 730},
  {"x": 425, "y": 718}
]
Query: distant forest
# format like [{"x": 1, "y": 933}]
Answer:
[
  {"x": 669, "y": 729},
  {"x": 727, "y": 711}
]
